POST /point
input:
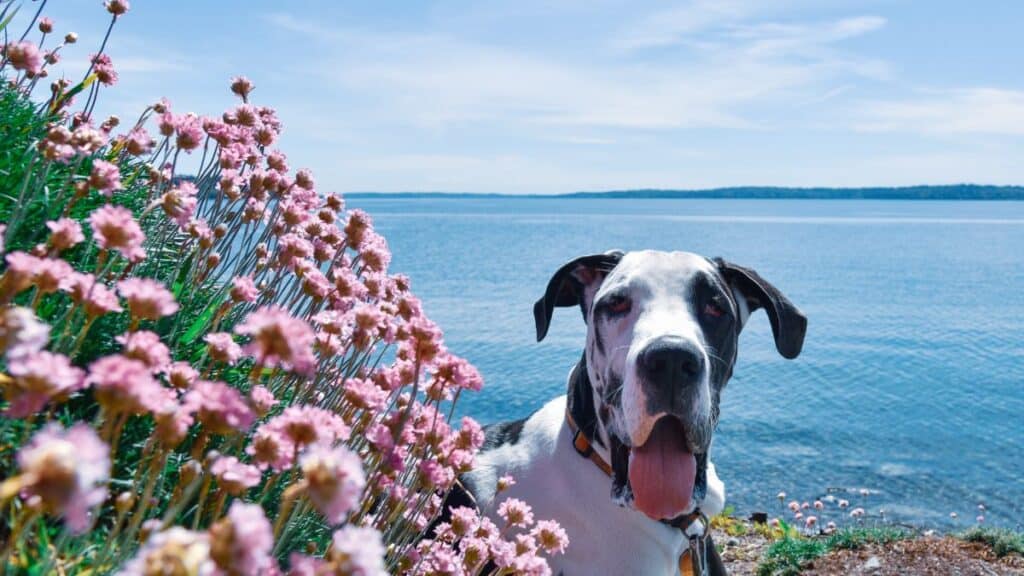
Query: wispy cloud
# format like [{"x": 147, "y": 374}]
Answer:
[
  {"x": 682, "y": 23},
  {"x": 435, "y": 80},
  {"x": 962, "y": 111}
]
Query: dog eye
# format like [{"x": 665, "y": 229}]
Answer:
[
  {"x": 713, "y": 309},
  {"x": 618, "y": 304}
]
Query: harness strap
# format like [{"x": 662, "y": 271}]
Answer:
[{"x": 693, "y": 561}]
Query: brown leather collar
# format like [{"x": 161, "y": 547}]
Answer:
[{"x": 583, "y": 446}]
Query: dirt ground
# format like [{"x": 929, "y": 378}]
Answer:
[{"x": 926, "y": 555}]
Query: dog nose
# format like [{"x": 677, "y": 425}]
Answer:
[{"x": 671, "y": 361}]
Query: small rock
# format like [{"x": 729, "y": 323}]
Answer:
[
  {"x": 873, "y": 563},
  {"x": 732, "y": 542},
  {"x": 759, "y": 517}
]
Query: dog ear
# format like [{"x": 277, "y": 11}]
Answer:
[
  {"x": 789, "y": 325},
  {"x": 568, "y": 286}
]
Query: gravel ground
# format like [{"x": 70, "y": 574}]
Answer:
[{"x": 926, "y": 555}]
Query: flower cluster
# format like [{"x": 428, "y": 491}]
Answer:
[{"x": 217, "y": 373}]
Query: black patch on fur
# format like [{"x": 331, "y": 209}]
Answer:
[
  {"x": 622, "y": 492},
  {"x": 581, "y": 402},
  {"x": 502, "y": 433},
  {"x": 598, "y": 337}
]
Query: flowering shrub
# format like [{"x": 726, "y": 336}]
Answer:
[{"x": 214, "y": 374}]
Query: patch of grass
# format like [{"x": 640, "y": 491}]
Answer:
[
  {"x": 787, "y": 556},
  {"x": 1001, "y": 541},
  {"x": 729, "y": 524}
]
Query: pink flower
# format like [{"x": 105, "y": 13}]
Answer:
[
  {"x": 124, "y": 385},
  {"x": 21, "y": 333},
  {"x": 857, "y": 512},
  {"x": 358, "y": 551},
  {"x": 68, "y": 470},
  {"x": 45, "y": 25},
  {"x": 94, "y": 296},
  {"x": 65, "y": 233},
  {"x": 819, "y": 505},
  {"x": 220, "y": 408},
  {"x": 114, "y": 228},
  {"x": 243, "y": 289},
  {"x": 242, "y": 543},
  {"x": 222, "y": 347},
  {"x": 172, "y": 424},
  {"x": 38, "y": 378},
  {"x": 794, "y": 506},
  {"x": 278, "y": 339},
  {"x": 457, "y": 371},
  {"x": 436, "y": 474},
  {"x": 147, "y": 298},
  {"x": 276, "y": 442},
  {"x": 292, "y": 247},
  {"x": 235, "y": 476},
  {"x": 516, "y": 513},
  {"x": 21, "y": 272},
  {"x": 105, "y": 177},
  {"x": 179, "y": 203},
  {"x": 24, "y": 56},
  {"x": 182, "y": 375},
  {"x": 470, "y": 436},
  {"x": 364, "y": 394},
  {"x": 811, "y": 521},
  {"x": 844, "y": 503},
  {"x": 50, "y": 273},
  {"x": 374, "y": 252},
  {"x": 117, "y": 7},
  {"x": 261, "y": 399},
  {"x": 334, "y": 478},
  {"x": 172, "y": 551},
  {"x": 146, "y": 347},
  {"x": 551, "y": 537},
  {"x": 355, "y": 229},
  {"x": 242, "y": 86},
  {"x": 505, "y": 482},
  {"x": 190, "y": 132},
  {"x": 103, "y": 68},
  {"x": 138, "y": 142}
]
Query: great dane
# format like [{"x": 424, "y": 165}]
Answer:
[{"x": 621, "y": 460}]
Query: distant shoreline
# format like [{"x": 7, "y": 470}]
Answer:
[{"x": 950, "y": 192}]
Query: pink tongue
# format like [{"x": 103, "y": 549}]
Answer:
[{"x": 662, "y": 472}]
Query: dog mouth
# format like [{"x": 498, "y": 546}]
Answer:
[{"x": 661, "y": 477}]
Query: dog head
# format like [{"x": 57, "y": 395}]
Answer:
[{"x": 662, "y": 331}]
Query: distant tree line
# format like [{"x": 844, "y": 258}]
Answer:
[{"x": 947, "y": 192}]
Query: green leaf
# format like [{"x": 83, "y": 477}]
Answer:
[{"x": 9, "y": 18}]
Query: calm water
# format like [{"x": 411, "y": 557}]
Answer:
[{"x": 911, "y": 382}]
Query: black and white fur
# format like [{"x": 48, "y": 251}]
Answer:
[{"x": 661, "y": 342}]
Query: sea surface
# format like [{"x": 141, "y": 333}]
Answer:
[{"x": 911, "y": 381}]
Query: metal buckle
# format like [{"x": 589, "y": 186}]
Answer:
[
  {"x": 575, "y": 444},
  {"x": 699, "y": 546}
]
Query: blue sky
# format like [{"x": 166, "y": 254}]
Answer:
[{"x": 541, "y": 97}]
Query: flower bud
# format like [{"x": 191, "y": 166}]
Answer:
[{"x": 124, "y": 502}]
